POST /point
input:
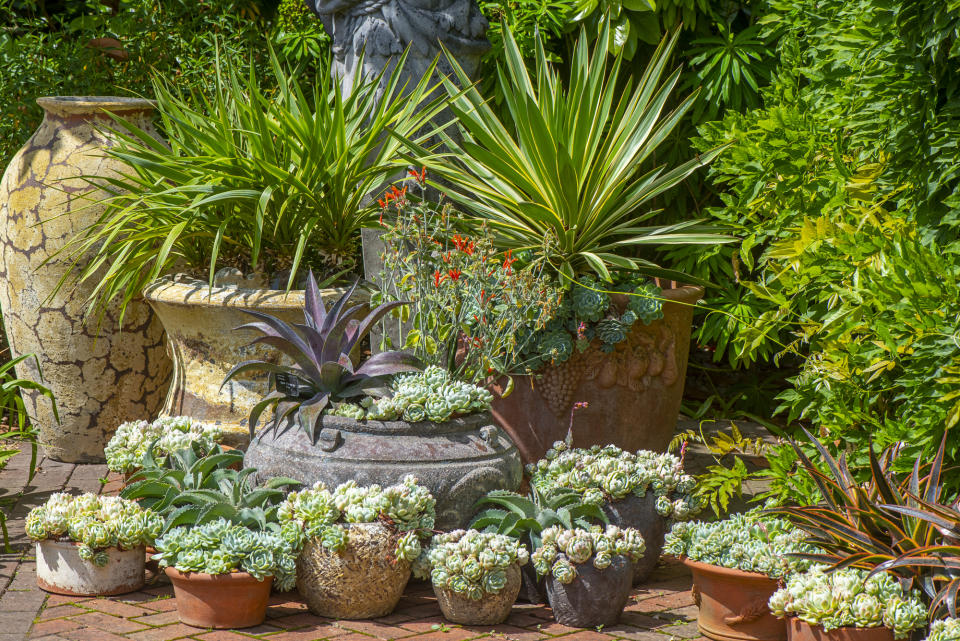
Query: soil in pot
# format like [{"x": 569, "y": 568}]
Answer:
[
  {"x": 364, "y": 581},
  {"x": 641, "y": 513},
  {"x": 595, "y": 597},
  {"x": 60, "y": 570},
  {"x": 798, "y": 630},
  {"x": 492, "y": 609},
  {"x": 733, "y": 604},
  {"x": 234, "y": 600}
]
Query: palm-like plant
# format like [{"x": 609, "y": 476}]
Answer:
[
  {"x": 573, "y": 165},
  {"x": 322, "y": 370}
]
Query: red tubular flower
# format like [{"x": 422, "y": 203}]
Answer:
[
  {"x": 508, "y": 261},
  {"x": 454, "y": 274},
  {"x": 438, "y": 278}
]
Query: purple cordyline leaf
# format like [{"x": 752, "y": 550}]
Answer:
[
  {"x": 336, "y": 343},
  {"x": 388, "y": 363},
  {"x": 313, "y": 310},
  {"x": 309, "y": 413},
  {"x": 260, "y": 366},
  {"x": 333, "y": 315},
  {"x": 372, "y": 318},
  {"x": 301, "y": 358}
]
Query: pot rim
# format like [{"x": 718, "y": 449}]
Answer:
[
  {"x": 719, "y": 569},
  {"x": 94, "y": 105},
  {"x": 467, "y": 423},
  {"x": 192, "y": 292},
  {"x": 72, "y": 543},
  {"x": 853, "y": 628},
  {"x": 197, "y": 577}
]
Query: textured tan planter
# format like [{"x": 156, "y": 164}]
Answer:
[
  {"x": 99, "y": 381},
  {"x": 61, "y": 570},
  {"x": 733, "y": 604},
  {"x": 364, "y": 581},
  {"x": 200, "y": 323},
  {"x": 492, "y": 609},
  {"x": 634, "y": 393}
]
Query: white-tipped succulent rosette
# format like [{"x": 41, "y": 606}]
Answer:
[
  {"x": 562, "y": 550},
  {"x": 126, "y": 448}
]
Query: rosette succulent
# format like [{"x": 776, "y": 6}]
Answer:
[
  {"x": 562, "y": 550},
  {"x": 850, "y": 598},
  {"x": 320, "y": 514},
  {"x": 944, "y": 630},
  {"x": 469, "y": 562},
  {"x": 601, "y": 474},
  {"x": 220, "y": 547},
  {"x": 751, "y": 542},
  {"x": 95, "y": 522},
  {"x": 127, "y": 446}
]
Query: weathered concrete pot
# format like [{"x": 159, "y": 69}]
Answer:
[
  {"x": 492, "y": 609},
  {"x": 199, "y": 322},
  {"x": 733, "y": 604},
  {"x": 458, "y": 461},
  {"x": 234, "y": 600},
  {"x": 595, "y": 597},
  {"x": 364, "y": 581},
  {"x": 61, "y": 570},
  {"x": 99, "y": 378},
  {"x": 641, "y": 514},
  {"x": 798, "y": 630},
  {"x": 634, "y": 393}
]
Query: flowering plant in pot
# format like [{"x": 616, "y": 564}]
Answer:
[
  {"x": 475, "y": 575},
  {"x": 588, "y": 572},
  {"x": 358, "y": 544},
  {"x": 736, "y": 564},
  {"x": 646, "y": 490},
  {"x": 128, "y": 445},
  {"x": 848, "y": 605},
  {"x": 91, "y": 545},
  {"x": 222, "y": 572}
]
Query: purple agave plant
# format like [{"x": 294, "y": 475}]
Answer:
[{"x": 320, "y": 349}]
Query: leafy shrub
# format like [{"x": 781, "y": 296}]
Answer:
[
  {"x": 96, "y": 522},
  {"x": 562, "y": 550},
  {"x": 128, "y": 445},
  {"x": 471, "y": 563}
]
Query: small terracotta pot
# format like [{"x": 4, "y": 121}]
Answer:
[
  {"x": 733, "y": 604},
  {"x": 595, "y": 597},
  {"x": 798, "y": 630},
  {"x": 60, "y": 570},
  {"x": 234, "y": 600},
  {"x": 492, "y": 609}
]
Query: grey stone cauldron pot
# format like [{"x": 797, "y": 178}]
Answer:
[{"x": 459, "y": 460}]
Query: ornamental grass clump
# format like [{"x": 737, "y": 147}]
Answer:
[
  {"x": 407, "y": 508},
  {"x": 221, "y": 547},
  {"x": 602, "y": 474},
  {"x": 471, "y": 563},
  {"x": 431, "y": 395},
  {"x": 850, "y": 598},
  {"x": 750, "y": 542},
  {"x": 127, "y": 446},
  {"x": 95, "y": 522},
  {"x": 562, "y": 550},
  {"x": 944, "y": 630}
]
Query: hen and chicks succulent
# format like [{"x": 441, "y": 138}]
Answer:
[
  {"x": 471, "y": 563},
  {"x": 561, "y": 550}
]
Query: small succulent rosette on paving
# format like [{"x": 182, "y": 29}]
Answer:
[
  {"x": 358, "y": 544},
  {"x": 475, "y": 575},
  {"x": 129, "y": 444},
  {"x": 589, "y": 573},
  {"x": 847, "y": 605},
  {"x": 222, "y": 572},
  {"x": 91, "y": 545},
  {"x": 736, "y": 565},
  {"x": 944, "y": 630},
  {"x": 643, "y": 490}
]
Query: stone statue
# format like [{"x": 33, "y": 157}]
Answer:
[{"x": 381, "y": 30}]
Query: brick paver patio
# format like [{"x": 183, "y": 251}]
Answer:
[{"x": 660, "y": 610}]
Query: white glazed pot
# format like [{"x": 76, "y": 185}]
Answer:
[{"x": 61, "y": 570}]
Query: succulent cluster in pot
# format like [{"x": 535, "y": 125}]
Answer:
[
  {"x": 221, "y": 547},
  {"x": 431, "y": 395},
  {"x": 561, "y": 550},
  {"x": 95, "y": 522},
  {"x": 944, "y": 630},
  {"x": 407, "y": 507},
  {"x": 601, "y": 474},
  {"x": 471, "y": 563},
  {"x": 125, "y": 450},
  {"x": 848, "y": 598},
  {"x": 751, "y": 542}
]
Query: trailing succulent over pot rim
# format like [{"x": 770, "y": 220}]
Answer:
[
  {"x": 96, "y": 522},
  {"x": 750, "y": 542},
  {"x": 126, "y": 448},
  {"x": 944, "y": 630},
  {"x": 469, "y": 562},
  {"x": 562, "y": 550},
  {"x": 850, "y": 598}
]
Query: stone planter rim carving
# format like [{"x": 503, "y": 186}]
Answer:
[{"x": 84, "y": 105}]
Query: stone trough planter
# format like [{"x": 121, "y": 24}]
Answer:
[{"x": 60, "y": 570}]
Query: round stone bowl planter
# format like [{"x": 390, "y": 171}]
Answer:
[
  {"x": 234, "y": 600},
  {"x": 363, "y": 581},
  {"x": 60, "y": 570},
  {"x": 200, "y": 327},
  {"x": 640, "y": 513},
  {"x": 798, "y": 630},
  {"x": 492, "y": 609},
  {"x": 634, "y": 392},
  {"x": 733, "y": 604},
  {"x": 595, "y": 597},
  {"x": 459, "y": 460}
]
